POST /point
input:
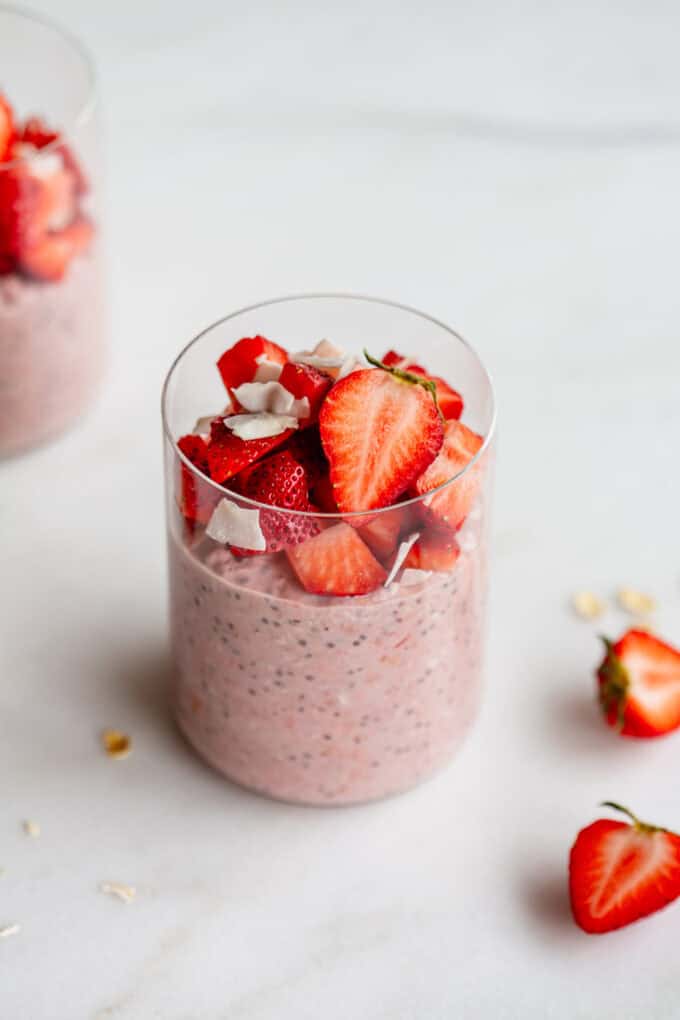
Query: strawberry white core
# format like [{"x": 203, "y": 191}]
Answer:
[{"x": 236, "y": 525}]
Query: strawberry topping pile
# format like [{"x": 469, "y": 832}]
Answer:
[
  {"x": 320, "y": 433},
  {"x": 42, "y": 223}
]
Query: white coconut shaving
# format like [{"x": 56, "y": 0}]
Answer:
[
  {"x": 202, "y": 426},
  {"x": 349, "y": 365},
  {"x": 232, "y": 524},
  {"x": 325, "y": 356},
  {"x": 402, "y": 552},
  {"x": 267, "y": 370},
  {"x": 259, "y": 426},
  {"x": 271, "y": 397},
  {"x": 413, "y": 575}
]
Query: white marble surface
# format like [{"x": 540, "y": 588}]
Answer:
[{"x": 514, "y": 170}]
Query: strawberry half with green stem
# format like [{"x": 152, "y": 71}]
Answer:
[
  {"x": 336, "y": 562},
  {"x": 251, "y": 358},
  {"x": 620, "y": 872},
  {"x": 228, "y": 455},
  {"x": 380, "y": 429},
  {"x": 451, "y": 505},
  {"x": 639, "y": 685},
  {"x": 449, "y": 400}
]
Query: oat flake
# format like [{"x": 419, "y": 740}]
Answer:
[
  {"x": 116, "y": 744},
  {"x": 31, "y": 828},
  {"x": 635, "y": 602},
  {"x": 587, "y": 605}
]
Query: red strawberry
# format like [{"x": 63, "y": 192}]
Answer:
[
  {"x": 20, "y": 202},
  {"x": 382, "y": 533},
  {"x": 196, "y": 500},
  {"x": 49, "y": 258},
  {"x": 240, "y": 363},
  {"x": 6, "y": 128},
  {"x": 336, "y": 562},
  {"x": 619, "y": 873},
  {"x": 322, "y": 494},
  {"x": 228, "y": 455},
  {"x": 305, "y": 381},
  {"x": 452, "y": 505},
  {"x": 450, "y": 402},
  {"x": 281, "y": 481},
  {"x": 639, "y": 685},
  {"x": 35, "y": 132},
  {"x": 436, "y": 549},
  {"x": 379, "y": 434},
  {"x": 305, "y": 446}
]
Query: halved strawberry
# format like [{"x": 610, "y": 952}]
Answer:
[
  {"x": 379, "y": 433},
  {"x": 305, "y": 381},
  {"x": 639, "y": 685},
  {"x": 228, "y": 455},
  {"x": 6, "y": 128},
  {"x": 35, "y": 132},
  {"x": 452, "y": 505},
  {"x": 450, "y": 402},
  {"x": 436, "y": 549},
  {"x": 336, "y": 562},
  {"x": 281, "y": 481},
  {"x": 49, "y": 258},
  {"x": 381, "y": 534},
  {"x": 241, "y": 362},
  {"x": 196, "y": 501},
  {"x": 621, "y": 872}
]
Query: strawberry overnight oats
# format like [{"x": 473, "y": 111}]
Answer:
[
  {"x": 51, "y": 303},
  {"x": 327, "y": 536}
]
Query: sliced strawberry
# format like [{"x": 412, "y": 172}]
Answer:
[
  {"x": 196, "y": 500},
  {"x": 241, "y": 362},
  {"x": 620, "y": 872},
  {"x": 452, "y": 505},
  {"x": 6, "y": 128},
  {"x": 450, "y": 402},
  {"x": 639, "y": 685},
  {"x": 281, "y": 481},
  {"x": 305, "y": 381},
  {"x": 49, "y": 258},
  {"x": 35, "y": 132},
  {"x": 228, "y": 455},
  {"x": 381, "y": 534},
  {"x": 336, "y": 562},
  {"x": 436, "y": 549},
  {"x": 379, "y": 434}
]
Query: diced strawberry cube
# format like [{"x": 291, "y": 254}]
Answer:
[
  {"x": 228, "y": 455},
  {"x": 381, "y": 534},
  {"x": 451, "y": 505},
  {"x": 305, "y": 381},
  {"x": 49, "y": 257},
  {"x": 6, "y": 128},
  {"x": 436, "y": 549},
  {"x": 336, "y": 562},
  {"x": 241, "y": 362}
]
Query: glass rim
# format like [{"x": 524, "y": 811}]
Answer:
[
  {"x": 337, "y": 515},
  {"x": 88, "y": 105}
]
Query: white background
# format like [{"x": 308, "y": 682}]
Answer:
[{"x": 513, "y": 169}]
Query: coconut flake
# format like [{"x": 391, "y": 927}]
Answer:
[
  {"x": 272, "y": 397},
  {"x": 202, "y": 426},
  {"x": 259, "y": 426},
  {"x": 267, "y": 370},
  {"x": 349, "y": 365},
  {"x": 413, "y": 575},
  {"x": 402, "y": 553},
  {"x": 236, "y": 525},
  {"x": 325, "y": 356}
]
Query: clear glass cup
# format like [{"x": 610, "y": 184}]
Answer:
[
  {"x": 327, "y": 699},
  {"x": 52, "y": 322}
]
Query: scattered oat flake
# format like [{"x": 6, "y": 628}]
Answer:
[
  {"x": 31, "y": 828},
  {"x": 9, "y": 929},
  {"x": 587, "y": 605},
  {"x": 635, "y": 602},
  {"x": 126, "y": 893},
  {"x": 116, "y": 744}
]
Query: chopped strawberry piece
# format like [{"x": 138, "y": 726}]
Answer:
[
  {"x": 35, "y": 132},
  {"x": 6, "y": 128},
  {"x": 639, "y": 685},
  {"x": 281, "y": 481},
  {"x": 379, "y": 435},
  {"x": 305, "y": 381},
  {"x": 450, "y": 402},
  {"x": 381, "y": 534},
  {"x": 196, "y": 499},
  {"x": 436, "y": 549},
  {"x": 20, "y": 202},
  {"x": 228, "y": 455},
  {"x": 322, "y": 494},
  {"x": 49, "y": 258},
  {"x": 241, "y": 362},
  {"x": 336, "y": 562},
  {"x": 621, "y": 872},
  {"x": 452, "y": 504}
]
